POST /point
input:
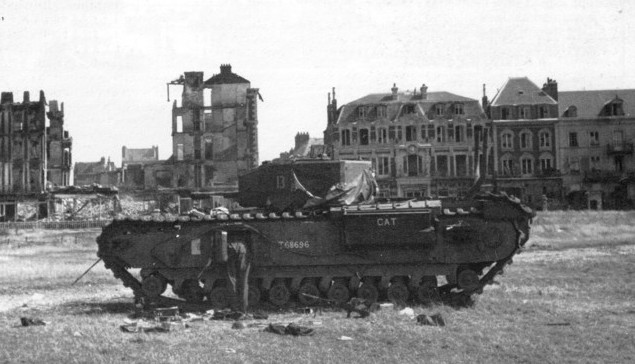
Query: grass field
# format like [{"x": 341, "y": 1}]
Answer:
[{"x": 568, "y": 298}]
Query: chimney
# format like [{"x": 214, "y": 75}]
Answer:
[
  {"x": 123, "y": 153},
  {"x": 26, "y": 98},
  {"x": 394, "y": 90},
  {"x": 225, "y": 68},
  {"x": 53, "y": 106},
  {"x": 6, "y": 98},
  {"x": 300, "y": 139},
  {"x": 42, "y": 97},
  {"x": 424, "y": 92},
  {"x": 551, "y": 88},
  {"x": 102, "y": 161},
  {"x": 484, "y": 100}
]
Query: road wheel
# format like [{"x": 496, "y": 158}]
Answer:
[
  {"x": 279, "y": 293},
  {"x": 311, "y": 289},
  {"x": 154, "y": 285},
  {"x": 398, "y": 292},
  {"x": 368, "y": 291},
  {"x": 339, "y": 292},
  {"x": 220, "y": 297}
]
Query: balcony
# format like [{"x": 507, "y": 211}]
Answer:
[{"x": 619, "y": 148}]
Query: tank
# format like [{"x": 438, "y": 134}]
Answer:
[{"x": 413, "y": 250}]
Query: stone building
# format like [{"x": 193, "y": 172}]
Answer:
[
  {"x": 524, "y": 117},
  {"x": 420, "y": 143},
  {"x": 133, "y": 161},
  {"x": 595, "y": 136},
  {"x": 32, "y": 151},
  {"x": 214, "y": 134},
  {"x": 104, "y": 173}
]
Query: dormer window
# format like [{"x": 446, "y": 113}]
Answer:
[
  {"x": 543, "y": 112},
  {"x": 361, "y": 112},
  {"x": 523, "y": 112},
  {"x": 381, "y": 111},
  {"x": 571, "y": 112},
  {"x": 440, "y": 109},
  {"x": 458, "y": 109},
  {"x": 614, "y": 107},
  {"x": 409, "y": 109}
]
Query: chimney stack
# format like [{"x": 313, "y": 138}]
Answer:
[
  {"x": 551, "y": 88},
  {"x": 6, "y": 98},
  {"x": 225, "y": 68},
  {"x": 424, "y": 92},
  {"x": 394, "y": 90},
  {"x": 26, "y": 98}
]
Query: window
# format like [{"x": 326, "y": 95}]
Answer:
[
  {"x": 440, "y": 134},
  {"x": 346, "y": 137},
  {"x": 179, "y": 152},
  {"x": 373, "y": 134},
  {"x": 594, "y": 138},
  {"x": 523, "y": 112},
  {"x": 411, "y": 133},
  {"x": 383, "y": 136},
  {"x": 458, "y": 133},
  {"x": 209, "y": 175},
  {"x": 544, "y": 138},
  {"x": 391, "y": 133},
  {"x": 383, "y": 166},
  {"x": 526, "y": 165},
  {"x": 409, "y": 109},
  {"x": 196, "y": 119},
  {"x": 525, "y": 140},
  {"x": 544, "y": 112},
  {"x": 440, "y": 109},
  {"x": 363, "y": 137},
  {"x": 507, "y": 165},
  {"x": 506, "y": 140},
  {"x": 546, "y": 162},
  {"x": 571, "y": 112},
  {"x": 504, "y": 113},
  {"x": 381, "y": 111},
  {"x": 595, "y": 162},
  {"x": 399, "y": 133},
  {"x": 354, "y": 135},
  {"x": 361, "y": 112},
  {"x": 450, "y": 132},
  {"x": 179, "y": 124},
  {"x": 431, "y": 131},
  {"x": 209, "y": 150},
  {"x": 458, "y": 109},
  {"x": 573, "y": 139},
  {"x": 280, "y": 182}
]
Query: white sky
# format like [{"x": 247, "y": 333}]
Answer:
[{"x": 108, "y": 61}]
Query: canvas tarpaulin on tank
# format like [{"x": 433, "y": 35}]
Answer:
[{"x": 360, "y": 189}]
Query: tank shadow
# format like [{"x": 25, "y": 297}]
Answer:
[{"x": 99, "y": 308}]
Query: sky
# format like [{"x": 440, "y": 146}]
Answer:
[{"x": 109, "y": 61}]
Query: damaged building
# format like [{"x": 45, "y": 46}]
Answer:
[{"x": 34, "y": 154}]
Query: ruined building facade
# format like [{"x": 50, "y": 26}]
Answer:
[
  {"x": 32, "y": 153},
  {"x": 214, "y": 133}
]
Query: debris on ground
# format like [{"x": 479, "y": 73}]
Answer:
[
  {"x": 27, "y": 321},
  {"x": 291, "y": 329},
  {"x": 432, "y": 320},
  {"x": 407, "y": 312},
  {"x": 345, "y": 338}
]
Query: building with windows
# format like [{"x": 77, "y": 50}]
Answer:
[
  {"x": 304, "y": 147},
  {"x": 595, "y": 136},
  {"x": 214, "y": 134},
  {"x": 420, "y": 143},
  {"x": 34, "y": 153},
  {"x": 104, "y": 173},
  {"x": 524, "y": 117}
]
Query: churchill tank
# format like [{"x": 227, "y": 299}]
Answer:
[{"x": 336, "y": 244}]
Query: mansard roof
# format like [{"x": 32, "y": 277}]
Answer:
[
  {"x": 521, "y": 91},
  {"x": 589, "y": 104},
  {"x": 471, "y": 107},
  {"x": 226, "y": 76}
]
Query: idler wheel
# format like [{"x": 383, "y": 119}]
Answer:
[
  {"x": 468, "y": 281},
  {"x": 279, "y": 294},
  {"x": 368, "y": 291},
  {"x": 398, "y": 292},
  {"x": 220, "y": 297},
  {"x": 339, "y": 292},
  {"x": 154, "y": 285},
  {"x": 427, "y": 291},
  {"x": 311, "y": 289},
  {"x": 192, "y": 291},
  {"x": 253, "y": 297}
]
